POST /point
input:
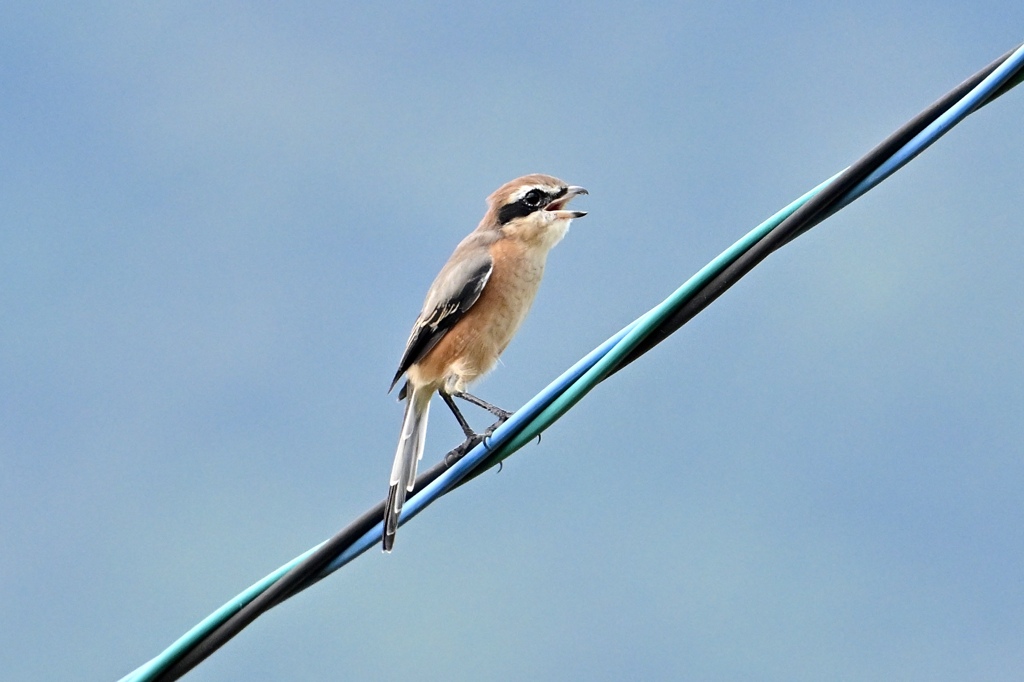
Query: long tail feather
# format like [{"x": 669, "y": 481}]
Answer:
[{"x": 407, "y": 457}]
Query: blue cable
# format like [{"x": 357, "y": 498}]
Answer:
[
  {"x": 594, "y": 363},
  {"x": 958, "y": 112},
  {"x": 450, "y": 478},
  {"x": 562, "y": 393},
  {"x": 623, "y": 341}
]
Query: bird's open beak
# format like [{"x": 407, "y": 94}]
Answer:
[{"x": 558, "y": 204}]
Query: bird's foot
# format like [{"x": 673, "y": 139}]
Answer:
[{"x": 459, "y": 451}]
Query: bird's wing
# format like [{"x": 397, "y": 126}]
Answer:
[{"x": 456, "y": 289}]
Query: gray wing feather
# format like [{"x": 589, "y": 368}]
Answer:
[{"x": 457, "y": 287}]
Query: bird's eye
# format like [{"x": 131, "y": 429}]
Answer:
[{"x": 533, "y": 197}]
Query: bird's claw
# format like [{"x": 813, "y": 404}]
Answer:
[{"x": 494, "y": 427}]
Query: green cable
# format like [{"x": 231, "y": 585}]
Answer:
[
  {"x": 650, "y": 321},
  {"x": 632, "y": 336}
]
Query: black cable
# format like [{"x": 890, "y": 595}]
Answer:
[
  {"x": 806, "y": 217},
  {"x": 307, "y": 573},
  {"x": 813, "y": 212}
]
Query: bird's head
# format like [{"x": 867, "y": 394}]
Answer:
[{"x": 533, "y": 207}]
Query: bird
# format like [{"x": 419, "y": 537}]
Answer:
[{"x": 471, "y": 312}]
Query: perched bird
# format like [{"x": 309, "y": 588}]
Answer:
[{"x": 471, "y": 312}]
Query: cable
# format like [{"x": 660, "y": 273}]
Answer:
[
  {"x": 700, "y": 294},
  {"x": 215, "y": 631},
  {"x": 233, "y": 617},
  {"x": 614, "y": 354},
  {"x": 817, "y": 208}
]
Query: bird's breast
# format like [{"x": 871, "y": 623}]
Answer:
[{"x": 472, "y": 346}]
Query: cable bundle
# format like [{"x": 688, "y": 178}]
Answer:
[{"x": 614, "y": 354}]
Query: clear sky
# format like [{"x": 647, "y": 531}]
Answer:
[{"x": 217, "y": 225}]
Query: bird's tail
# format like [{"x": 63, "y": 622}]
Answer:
[{"x": 410, "y": 450}]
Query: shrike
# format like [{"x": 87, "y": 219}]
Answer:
[{"x": 471, "y": 312}]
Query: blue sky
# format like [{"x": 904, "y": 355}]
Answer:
[{"x": 217, "y": 225}]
